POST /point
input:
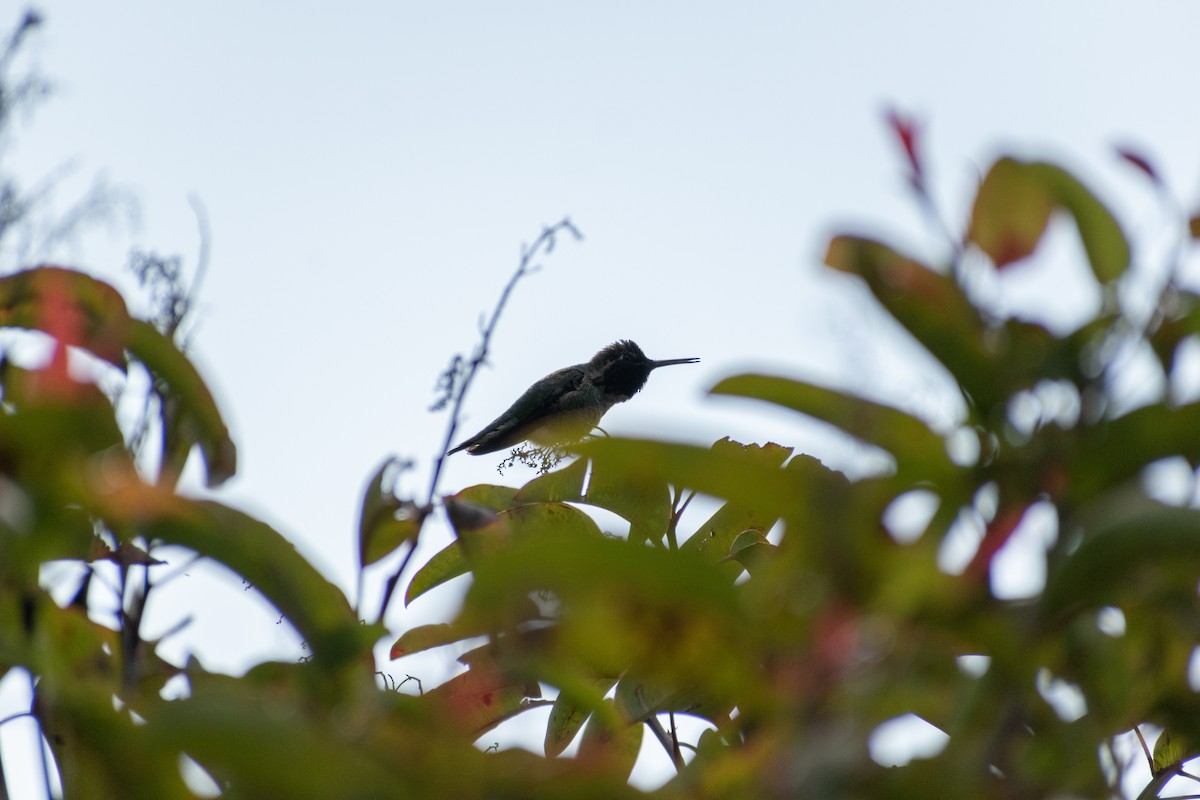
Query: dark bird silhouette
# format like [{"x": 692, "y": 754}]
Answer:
[{"x": 565, "y": 405}]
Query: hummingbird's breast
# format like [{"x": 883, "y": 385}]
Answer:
[{"x": 576, "y": 415}]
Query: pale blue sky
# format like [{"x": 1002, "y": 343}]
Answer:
[{"x": 370, "y": 170}]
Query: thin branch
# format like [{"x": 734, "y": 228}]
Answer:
[
  {"x": 544, "y": 243},
  {"x": 933, "y": 217},
  {"x": 666, "y": 740},
  {"x": 1137, "y": 730},
  {"x": 677, "y": 510},
  {"x": 676, "y": 755},
  {"x": 205, "y": 233},
  {"x": 31, "y": 20}
]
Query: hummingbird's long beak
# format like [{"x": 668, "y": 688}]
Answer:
[{"x": 668, "y": 362}]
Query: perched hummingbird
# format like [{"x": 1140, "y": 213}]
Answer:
[{"x": 565, "y": 405}]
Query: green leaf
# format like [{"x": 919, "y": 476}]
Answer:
[
  {"x": 1103, "y": 240},
  {"x": 920, "y": 453},
  {"x": 466, "y": 518},
  {"x": 563, "y": 485},
  {"x": 1170, "y": 752},
  {"x": 611, "y": 748},
  {"x": 714, "y": 538},
  {"x": 646, "y": 504},
  {"x": 426, "y": 637},
  {"x": 317, "y": 609},
  {"x": 1114, "y": 451},
  {"x": 398, "y": 746},
  {"x": 769, "y": 454},
  {"x": 225, "y": 720},
  {"x": 531, "y": 520},
  {"x": 380, "y": 530},
  {"x": 1131, "y": 543},
  {"x": 1013, "y": 207},
  {"x": 1012, "y": 210},
  {"x": 722, "y": 474},
  {"x": 497, "y": 498},
  {"x": 751, "y": 549},
  {"x": 450, "y": 562},
  {"x": 189, "y": 412},
  {"x": 637, "y": 700},
  {"x": 568, "y": 715},
  {"x": 92, "y": 742},
  {"x": 621, "y": 604},
  {"x": 930, "y": 306}
]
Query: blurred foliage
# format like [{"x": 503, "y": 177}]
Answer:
[{"x": 792, "y": 622}]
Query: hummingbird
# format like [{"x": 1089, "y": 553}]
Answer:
[{"x": 566, "y": 404}]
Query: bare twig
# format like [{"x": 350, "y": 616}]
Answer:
[
  {"x": 677, "y": 510},
  {"x": 407, "y": 678},
  {"x": 667, "y": 740},
  {"x": 205, "y": 232},
  {"x": 31, "y": 20},
  {"x": 1137, "y": 730},
  {"x": 676, "y": 755},
  {"x": 544, "y": 243}
]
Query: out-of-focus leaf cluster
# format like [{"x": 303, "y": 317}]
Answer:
[
  {"x": 794, "y": 624},
  {"x": 789, "y": 625},
  {"x": 72, "y": 490}
]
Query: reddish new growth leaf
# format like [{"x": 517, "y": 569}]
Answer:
[
  {"x": 1012, "y": 210},
  {"x": 1009, "y": 249},
  {"x": 999, "y": 531},
  {"x": 480, "y": 698},
  {"x": 62, "y": 318},
  {"x": 1140, "y": 163},
  {"x": 906, "y": 131},
  {"x": 1055, "y": 480},
  {"x": 836, "y": 639}
]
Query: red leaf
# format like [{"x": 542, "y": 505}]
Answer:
[
  {"x": 906, "y": 131},
  {"x": 1140, "y": 163},
  {"x": 62, "y": 318},
  {"x": 481, "y": 698},
  {"x": 999, "y": 531}
]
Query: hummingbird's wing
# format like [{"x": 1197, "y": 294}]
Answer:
[{"x": 534, "y": 407}]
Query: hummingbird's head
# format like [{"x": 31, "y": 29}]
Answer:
[{"x": 622, "y": 368}]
